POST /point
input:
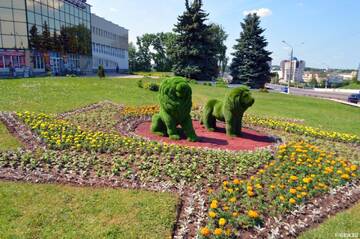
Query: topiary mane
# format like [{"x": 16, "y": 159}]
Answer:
[
  {"x": 175, "y": 106},
  {"x": 230, "y": 111}
]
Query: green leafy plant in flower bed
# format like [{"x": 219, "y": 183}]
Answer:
[
  {"x": 300, "y": 129},
  {"x": 147, "y": 163},
  {"x": 101, "y": 119},
  {"x": 300, "y": 172}
]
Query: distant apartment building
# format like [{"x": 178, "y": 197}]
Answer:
[
  {"x": 309, "y": 76},
  {"x": 109, "y": 45},
  {"x": 348, "y": 76},
  {"x": 292, "y": 70}
]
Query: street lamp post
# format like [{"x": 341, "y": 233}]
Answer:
[{"x": 291, "y": 63}]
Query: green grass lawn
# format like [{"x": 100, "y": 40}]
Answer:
[
  {"x": 52, "y": 95},
  {"x": 55, "y": 211},
  {"x": 345, "y": 222},
  {"x": 7, "y": 141},
  {"x": 51, "y": 211},
  {"x": 352, "y": 86}
]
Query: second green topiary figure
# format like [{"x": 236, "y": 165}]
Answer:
[
  {"x": 175, "y": 106},
  {"x": 231, "y": 111}
]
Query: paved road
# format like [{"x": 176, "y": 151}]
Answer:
[{"x": 311, "y": 92}]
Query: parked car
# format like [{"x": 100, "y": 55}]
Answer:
[
  {"x": 354, "y": 98},
  {"x": 284, "y": 90}
]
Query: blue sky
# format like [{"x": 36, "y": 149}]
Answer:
[{"x": 328, "y": 29}]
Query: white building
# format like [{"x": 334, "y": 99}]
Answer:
[
  {"x": 293, "y": 70},
  {"x": 110, "y": 44}
]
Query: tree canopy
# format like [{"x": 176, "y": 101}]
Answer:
[
  {"x": 251, "y": 62},
  {"x": 195, "y": 55}
]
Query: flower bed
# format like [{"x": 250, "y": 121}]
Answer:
[
  {"x": 84, "y": 147},
  {"x": 300, "y": 129},
  {"x": 300, "y": 172},
  {"x": 143, "y": 159}
]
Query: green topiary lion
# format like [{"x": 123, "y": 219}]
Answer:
[
  {"x": 231, "y": 111},
  {"x": 175, "y": 106}
]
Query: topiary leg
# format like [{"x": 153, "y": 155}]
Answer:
[
  {"x": 208, "y": 119},
  {"x": 158, "y": 126},
  {"x": 238, "y": 124},
  {"x": 189, "y": 129},
  {"x": 231, "y": 126},
  {"x": 171, "y": 126}
]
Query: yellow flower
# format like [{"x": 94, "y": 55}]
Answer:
[
  {"x": 258, "y": 186},
  {"x": 293, "y": 178},
  {"x": 235, "y": 214},
  {"x": 292, "y": 190},
  {"x": 353, "y": 167},
  {"x": 205, "y": 231},
  {"x": 345, "y": 176},
  {"x": 251, "y": 193},
  {"x": 282, "y": 198},
  {"x": 218, "y": 232},
  {"x": 214, "y": 204},
  {"x": 253, "y": 214},
  {"x": 292, "y": 201},
  {"x": 222, "y": 221},
  {"x": 212, "y": 214},
  {"x": 307, "y": 180},
  {"x": 233, "y": 199}
]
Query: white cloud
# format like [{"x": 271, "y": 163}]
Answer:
[{"x": 261, "y": 12}]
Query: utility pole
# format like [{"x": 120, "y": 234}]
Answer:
[{"x": 291, "y": 63}]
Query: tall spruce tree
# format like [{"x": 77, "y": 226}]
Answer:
[
  {"x": 34, "y": 38},
  {"x": 250, "y": 64},
  {"x": 46, "y": 41},
  {"x": 195, "y": 54}
]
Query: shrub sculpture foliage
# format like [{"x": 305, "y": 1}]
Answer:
[
  {"x": 101, "y": 72},
  {"x": 230, "y": 111},
  {"x": 175, "y": 107}
]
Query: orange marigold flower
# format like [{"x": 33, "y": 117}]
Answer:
[
  {"x": 292, "y": 190},
  {"x": 292, "y": 201},
  {"x": 218, "y": 231},
  {"x": 345, "y": 176},
  {"x": 253, "y": 214},
  {"x": 205, "y": 231},
  {"x": 236, "y": 181}
]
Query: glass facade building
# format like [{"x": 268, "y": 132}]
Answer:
[{"x": 27, "y": 27}]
